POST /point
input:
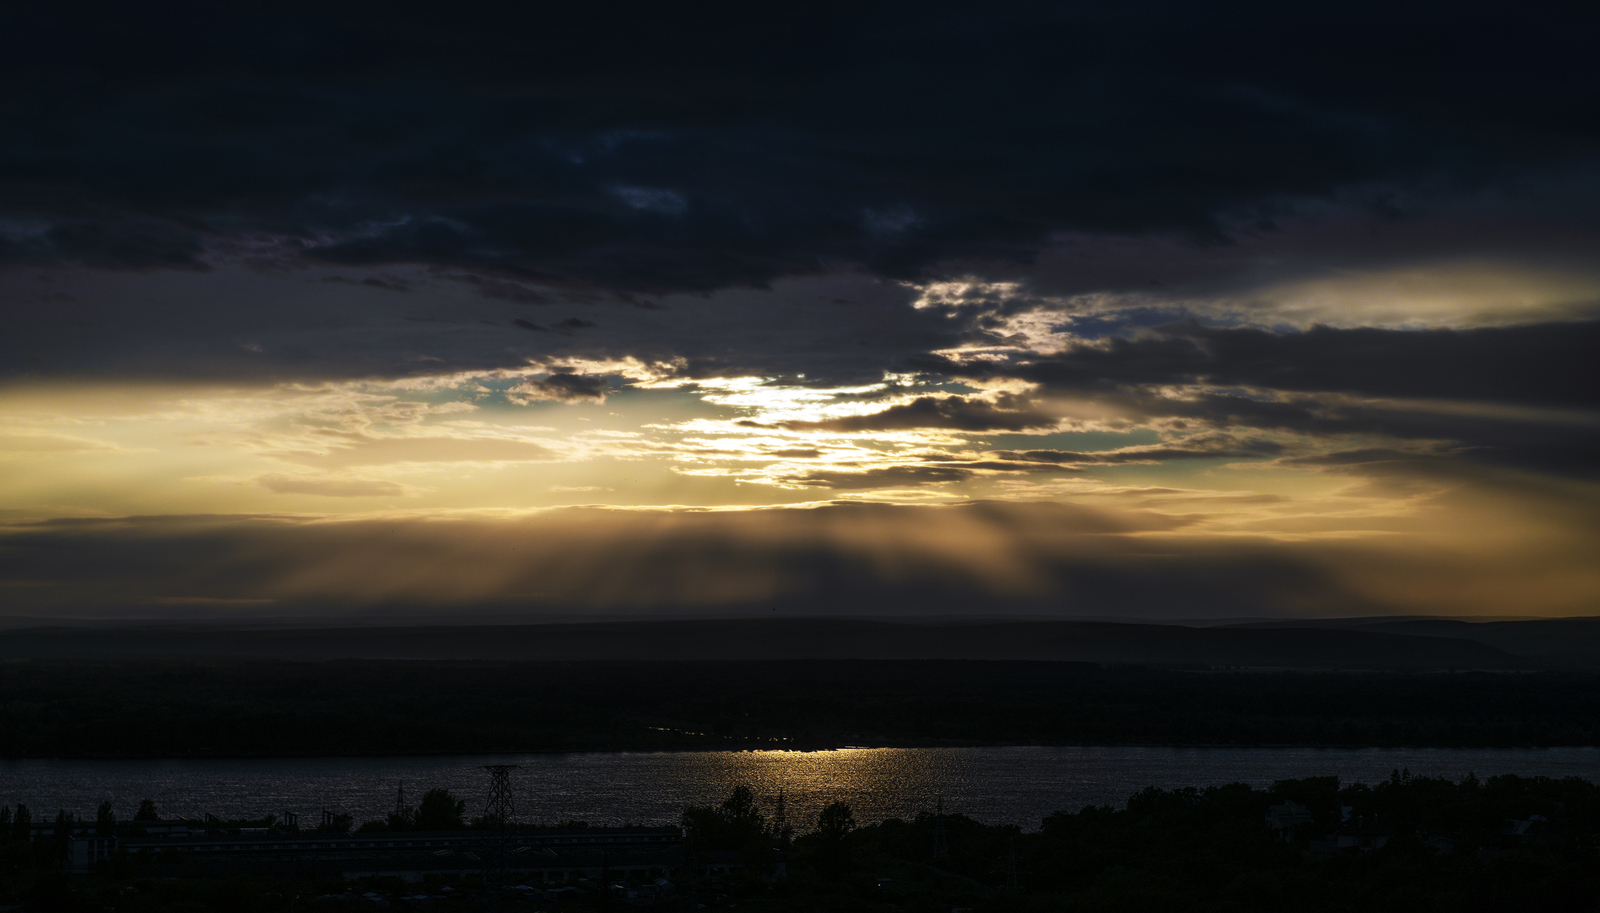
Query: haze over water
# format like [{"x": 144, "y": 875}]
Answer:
[{"x": 1018, "y": 785}]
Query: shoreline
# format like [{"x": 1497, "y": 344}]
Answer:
[{"x": 1222, "y": 746}]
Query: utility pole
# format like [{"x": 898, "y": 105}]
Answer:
[
  {"x": 1012, "y": 885},
  {"x": 941, "y": 848}
]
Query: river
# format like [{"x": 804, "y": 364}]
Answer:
[{"x": 1018, "y": 785}]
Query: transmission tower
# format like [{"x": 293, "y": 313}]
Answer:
[
  {"x": 780, "y": 821},
  {"x": 499, "y": 810},
  {"x": 941, "y": 847},
  {"x": 400, "y": 801}
]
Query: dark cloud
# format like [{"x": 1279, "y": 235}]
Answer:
[
  {"x": 1193, "y": 448},
  {"x": 1535, "y": 440},
  {"x": 562, "y": 387},
  {"x": 885, "y": 477},
  {"x": 953, "y": 413},
  {"x": 389, "y": 283},
  {"x": 1019, "y": 466},
  {"x": 931, "y": 472},
  {"x": 386, "y": 282},
  {"x": 1521, "y": 395},
  {"x": 489, "y": 287},
  {"x": 529, "y": 325},
  {"x": 1362, "y": 457},
  {"x": 627, "y": 147},
  {"x": 120, "y": 243},
  {"x": 1544, "y": 364},
  {"x": 274, "y": 327}
]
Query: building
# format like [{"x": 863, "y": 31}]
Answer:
[{"x": 1284, "y": 820}]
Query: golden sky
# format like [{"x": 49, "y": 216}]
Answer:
[{"x": 602, "y": 467}]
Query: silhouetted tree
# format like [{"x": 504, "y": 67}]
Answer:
[
  {"x": 836, "y": 822},
  {"x": 834, "y": 826},
  {"x": 739, "y": 812},
  {"x": 147, "y": 811},
  {"x": 441, "y": 811},
  {"x": 105, "y": 820},
  {"x": 736, "y": 824},
  {"x": 22, "y": 824}
]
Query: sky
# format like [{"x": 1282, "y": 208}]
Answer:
[{"x": 1143, "y": 310}]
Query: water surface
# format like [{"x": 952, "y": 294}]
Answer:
[{"x": 994, "y": 785}]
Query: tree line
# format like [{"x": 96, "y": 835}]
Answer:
[{"x": 1405, "y": 844}]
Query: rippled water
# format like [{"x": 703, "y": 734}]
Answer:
[{"x": 995, "y": 785}]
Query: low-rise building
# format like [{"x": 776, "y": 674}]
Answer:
[{"x": 1284, "y": 820}]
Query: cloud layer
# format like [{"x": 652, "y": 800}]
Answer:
[{"x": 1292, "y": 279}]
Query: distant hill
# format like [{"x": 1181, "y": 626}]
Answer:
[
  {"x": 1560, "y": 642},
  {"x": 1303, "y": 647}
]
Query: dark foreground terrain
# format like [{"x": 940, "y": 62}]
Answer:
[
  {"x": 155, "y": 690},
  {"x": 167, "y": 708},
  {"x": 1407, "y": 844}
]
